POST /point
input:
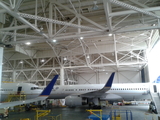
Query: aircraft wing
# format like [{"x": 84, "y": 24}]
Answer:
[
  {"x": 45, "y": 93},
  {"x": 99, "y": 93}
]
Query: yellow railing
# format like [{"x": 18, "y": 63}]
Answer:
[
  {"x": 41, "y": 113},
  {"x": 25, "y": 119},
  {"x": 93, "y": 112},
  {"x": 58, "y": 117}
]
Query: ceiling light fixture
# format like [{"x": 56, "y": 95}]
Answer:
[
  {"x": 81, "y": 38},
  {"x": 28, "y": 43},
  {"x": 21, "y": 62},
  {"x": 65, "y": 58},
  {"x": 54, "y": 40},
  {"x": 42, "y": 60},
  {"x": 110, "y": 34}
]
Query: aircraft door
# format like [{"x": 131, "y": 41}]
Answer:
[{"x": 19, "y": 89}]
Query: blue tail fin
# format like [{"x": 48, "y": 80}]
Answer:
[
  {"x": 49, "y": 87},
  {"x": 110, "y": 80}
]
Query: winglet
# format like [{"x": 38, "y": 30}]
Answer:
[
  {"x": 49, "y": 87},
  {"x": 110, "y": 80}
]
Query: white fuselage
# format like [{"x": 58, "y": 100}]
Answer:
[
  {"x": 133, "y": 91},
  {"x": 30, "y": 90}
]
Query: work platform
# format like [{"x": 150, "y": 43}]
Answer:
[
  {"x": 156, "y": 100},
  {"x": 15, "y": 97}
]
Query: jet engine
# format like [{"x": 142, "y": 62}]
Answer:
[{"x": 73, "y": 101}]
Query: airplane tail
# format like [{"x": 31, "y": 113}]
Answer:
[
  {"x": 48, "y": 89},
  {"x": 110, "y": 80},
  {"x": 108, "y": 85}
]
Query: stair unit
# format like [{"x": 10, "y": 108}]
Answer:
[{"x": 155, "y": 95}]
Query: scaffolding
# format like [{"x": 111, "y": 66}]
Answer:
[
  {"x": 41, "y": 113},
  {"x": 57, "y": 117},
  {"x": 16, "y": 97}
]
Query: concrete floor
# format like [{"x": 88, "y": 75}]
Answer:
[{"x": 139, "y": 112}]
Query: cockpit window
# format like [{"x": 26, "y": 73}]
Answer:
[{"x": 35, "y": 88}]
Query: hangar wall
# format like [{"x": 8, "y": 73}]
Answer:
[
  {"x": 100, "y": 78},
  {"x": 153, "y": 62}
]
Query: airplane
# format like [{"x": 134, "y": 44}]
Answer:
[
  {"x": 77, "y": 95},
  {"x": 33, "y": 90}
]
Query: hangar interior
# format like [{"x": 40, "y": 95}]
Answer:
[{"x": 82, "y": 40}]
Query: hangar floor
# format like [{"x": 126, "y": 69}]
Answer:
[{"x": 139, "y": 112}]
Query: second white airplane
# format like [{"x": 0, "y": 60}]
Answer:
[{"x": 76, "y": 95}]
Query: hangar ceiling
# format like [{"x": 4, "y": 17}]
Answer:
[{"x": 82, "y": 36}]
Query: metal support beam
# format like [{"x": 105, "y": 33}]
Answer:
[
  {"x": 114, "y": 14},
  {"x": 14, "y": 14},
  {"x": 50, "y": 17},
  {"x": 133, "y": 8},
  {"x": 17, "y": 5},
  {"x": 21, "y": 50},
  {"x": 36, "y": 2},
  {"x": 62, "y": 76},
  {"x": 14, "y": 28},
  {"x": 63, "y": 28},
  {"x": 21, "y": 35},
  {"x": 79, "y": 15},
  {"x": 1, "y": 63},
  {"x": 138, "y": 3},
  {"x": 57, "y": 22},
  {"x": 107, "y": 10},
  {"x": 86, "y": 56}
]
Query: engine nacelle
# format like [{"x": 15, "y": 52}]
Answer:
[
  {"x": 110, "y": 97},
  {"x": 73, "y": 101}
]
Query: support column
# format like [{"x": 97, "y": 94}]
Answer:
[
  {"x": 1, "y": 62},
  {"x": 1, "y": 26},
  {"x": 62, "y": 76},
  {"x": 14, "y": 72},
  {"x": 14, "y": 76}
]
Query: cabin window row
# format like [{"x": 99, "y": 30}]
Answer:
[
  {"x": 81, "y": 89},
  {"x": 6, "y": 89},
  {"x": 128, "y": 88},
  {"x": 35, "y": 88}
]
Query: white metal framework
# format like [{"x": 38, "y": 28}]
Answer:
[{"x": 45, "y": 37}]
